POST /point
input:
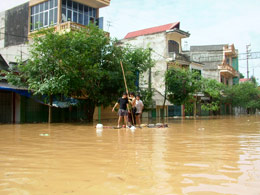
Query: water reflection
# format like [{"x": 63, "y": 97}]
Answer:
[{"x": 217, "y": 156}]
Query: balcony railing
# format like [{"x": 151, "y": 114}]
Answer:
[
  {"x": 225, "y": 68},
  {"x": 178, "y": 56},
  {"x": 62, "y": 27},
  {"x": 68, "y": 26}
]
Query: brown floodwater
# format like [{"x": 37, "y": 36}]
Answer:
[{"x": 202, "y": 156}]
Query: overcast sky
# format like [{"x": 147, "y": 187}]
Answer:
[{"x": 208, "y": 21}]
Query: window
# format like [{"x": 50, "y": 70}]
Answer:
[
  {"x": 46, "y": 6},
  {"x": 81, "y": 8},
  {"x": 51, "y": 17},
  {"x": 46, "y": 19},
  {"x": 69, "y": 4},
  {"x": 77, "y": 12},
  {"x": 64, "y": 3},
  {"x": 69, "y": 15},
  {"x": 44, "y": 14},
  {"x": 94, "y": 13},
  {"x": 85, "y": 22},
  {"x": 75, "y": 6},
  {"x": 75, "y": 17},
  {"x": 228, "y": 61},
  {"x": 173, "y": 47},
  {"x": 41, "y": 20},
  {"x": 80, "y": 18},
  {"x": 64, "y": 19}
]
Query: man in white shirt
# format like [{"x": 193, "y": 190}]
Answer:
[{"x": 139, "y": 109}]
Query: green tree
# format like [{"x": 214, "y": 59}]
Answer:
[
  {"x": 213, "y": 90},
  {"x": 182, "y": 85},
  {"x": 245, "y": 95},
  {"x": 83, "y": 63}
]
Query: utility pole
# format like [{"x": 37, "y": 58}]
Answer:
[
  {"x": 247, "y": 55},
  {"x": 150, "y": 75}
]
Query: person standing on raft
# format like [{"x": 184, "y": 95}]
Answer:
[
  {"x": 123, "y": 109},
  {"x": 139, "y": 109},
  {"x": 132, "y": 108}
]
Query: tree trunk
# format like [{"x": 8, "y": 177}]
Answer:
[
  {"x": 90, "y": 109},
  {"x": 50, "y": 110},
  {"x": 165, "y": 92},
  {"x": 195, "y": 108}
]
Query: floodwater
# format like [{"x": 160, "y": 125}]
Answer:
[{"x": 203, "y": 156}]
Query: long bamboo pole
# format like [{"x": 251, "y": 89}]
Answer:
[
  {"x": 126, "y": 88},
  {"x": 124, "y": 76}
]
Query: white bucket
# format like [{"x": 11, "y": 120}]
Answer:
[{"x": 99, "y": 126}]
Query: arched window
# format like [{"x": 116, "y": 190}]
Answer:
[{"x": 173, "y": 46}]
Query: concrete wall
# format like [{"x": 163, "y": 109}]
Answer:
[
  {"x": 16, "y": 25},
  {"x": 210, "y": 59},
  {"x": 211, "y": 74},
  {"x": 159, "y": 44},
  {"x": 13, "y": 53},
  {"x": 2, "y": 29}
]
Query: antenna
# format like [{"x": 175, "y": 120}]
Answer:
[{"x": 109, "y": 24}]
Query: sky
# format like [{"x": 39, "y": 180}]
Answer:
[{"x": 208, "y": 21}]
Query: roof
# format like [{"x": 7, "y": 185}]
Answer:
[
  {"x": 208, "y": 47},
  {"x": 3, "y": 64},
  {"x": 244, "y": 80},
  {"x": 153, "y": 30}
]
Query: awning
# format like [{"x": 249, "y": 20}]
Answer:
[{"x": 67, "y": 102}]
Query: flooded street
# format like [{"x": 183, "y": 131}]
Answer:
[{"x": 216, "y": 156}]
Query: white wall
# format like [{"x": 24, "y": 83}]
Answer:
[
  {"x": 159, "y": 45},
  {"x": 13, "y": 53},
  {"x": 2, "y": 29}
]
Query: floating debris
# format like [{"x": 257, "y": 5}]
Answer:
[
  {"x": 44, "y": 134},
  {"x": 99, "y": 126}
]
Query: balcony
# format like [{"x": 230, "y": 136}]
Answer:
[
  {"x": 227, "y": 70},
  {"x": 63, "y": 27},
  {"x": 229, "y": 50},
  {"x": 178, "y": 58},
  {"x": 67, "y": 26}
]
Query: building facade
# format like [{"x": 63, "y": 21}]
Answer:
[
  {"x": 165, "y": 43},
  {"x": 220, "y": 62},
  {"x": 16, "y": 27}
]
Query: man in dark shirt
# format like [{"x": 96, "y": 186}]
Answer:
[{"x": 123, "y": 109}]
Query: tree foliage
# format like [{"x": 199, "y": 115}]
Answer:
[
  {"x": 213, "y": 90},
  {"x": 181, "y": 84},
  {"x": 245, "y": 95},
  {"x": 80, "y": 63}
]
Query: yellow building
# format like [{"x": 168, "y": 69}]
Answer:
[{"x": 64, "y": 14}]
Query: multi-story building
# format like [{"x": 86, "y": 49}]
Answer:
[
  {"x": 220, "y": 62},
  {"x": 166, "y": 45},
  {"x": 16, "y": 27}
]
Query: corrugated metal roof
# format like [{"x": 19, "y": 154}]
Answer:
[
  {"x": 3, "y": 64},
  {"x": 153, "y": 30}
]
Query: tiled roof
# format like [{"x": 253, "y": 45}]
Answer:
[
  {"x": 153, "y": 30},
  {"x": 244, "y": 80}
]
